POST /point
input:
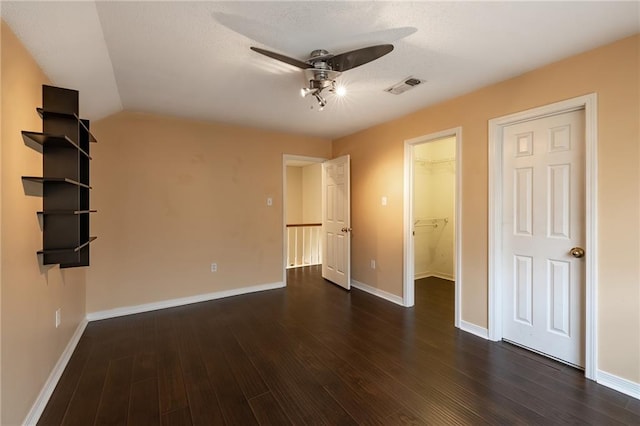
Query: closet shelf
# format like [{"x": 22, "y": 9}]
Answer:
[
  {"x": 65, "y": 212},
  {"x": 68, "y": 250},
  {"x": 42, "y": 139},
  {"x": 43, "y": 113},
  {"x": 38, "y": 179}
]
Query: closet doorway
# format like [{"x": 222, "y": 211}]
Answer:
[{"x": 432, "y": 219}]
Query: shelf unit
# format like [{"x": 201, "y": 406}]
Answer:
[{"x": 64, "y": 144}]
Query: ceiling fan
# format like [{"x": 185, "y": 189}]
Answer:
[{"x": 322, "y": 68}]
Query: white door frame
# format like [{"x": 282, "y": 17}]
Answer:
[
  {"x": 588, "y": 103},
  {"x": 285, "y": 159},
  {"x": 408, "y": 278}
]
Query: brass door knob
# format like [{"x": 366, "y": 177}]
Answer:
[{"x": 577, "y": 252}]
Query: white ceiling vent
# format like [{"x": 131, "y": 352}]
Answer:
[{"x": 406, "y": 84}]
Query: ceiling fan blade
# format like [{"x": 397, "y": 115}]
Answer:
[
  {"x": 355, "y": 58},
  {"x": 282, "y": 58}
]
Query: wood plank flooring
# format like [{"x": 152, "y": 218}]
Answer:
[{"x": 315, "y": 354}]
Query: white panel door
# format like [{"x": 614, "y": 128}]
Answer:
[
  {"x": 543, "y": 221},
  {"x": 336, "y": 221}
]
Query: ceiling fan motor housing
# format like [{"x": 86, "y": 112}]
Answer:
[
  {"x": 318, "y": 54},
  {"x": 320, "y": 83}
]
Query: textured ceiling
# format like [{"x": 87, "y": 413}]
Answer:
[{"x": 192, "y": 59}]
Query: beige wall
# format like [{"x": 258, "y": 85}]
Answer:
[
  {"x": 31, "y": 345},
  {"x": 1, "y": 32},
  {"x": 377, "y": 169},
  {"x": 312, "y": 193},
  {"x": 304, "y": 194},
  {"x": 173, "y": 196},
  {"x": 294, "y": 195}
]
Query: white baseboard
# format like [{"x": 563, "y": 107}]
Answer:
[
  {"x": 147, "y": 307},
  {"x": 474, "y": 329},
  {"x": 443, "y": 276},
  {"x": 52, "y": 381},
  {"x": 377, "y": 292},
  {"x": 618, "y": 383}
]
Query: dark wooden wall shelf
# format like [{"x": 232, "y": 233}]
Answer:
[
  {"x": 67, "y": 212},
  {"x": 38, "y": 179},
  {"x": 58, "y": 114},
  {"x": 60, "y": 141},
  {"x": 64, "y": 144}
]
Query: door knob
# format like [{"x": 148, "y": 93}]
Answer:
[
  {"x": 346, "y": 229},
  {"x": 577, "y": 252}
]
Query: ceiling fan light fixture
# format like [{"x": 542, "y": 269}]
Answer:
[
  {"x": 316, "y": 87},
  {"x": 340, "y": 90},
  {"x": 321, "y": 101}
]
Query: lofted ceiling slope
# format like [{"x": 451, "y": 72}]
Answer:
[{"x": 192, "y": 59}]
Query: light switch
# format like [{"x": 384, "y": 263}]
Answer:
[
  {"x": 384, "y": 201},
  {"x": 269, "y": 201}
]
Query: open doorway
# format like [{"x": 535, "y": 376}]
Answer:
[
  {"x": 302, "y": 212},
  {"x": 432, "y": 226},
  {"x": 433, "y": 209}
]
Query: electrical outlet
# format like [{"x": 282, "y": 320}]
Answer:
[
  {"x": 373, "y": 264},
  {"x": 58, "y": 317},
  {"x": 214, "y": 267}
]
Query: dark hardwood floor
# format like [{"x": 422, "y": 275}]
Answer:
[{"x": 315, "y": 354}]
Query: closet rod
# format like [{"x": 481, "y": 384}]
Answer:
[{"x": 430, "y": 221}]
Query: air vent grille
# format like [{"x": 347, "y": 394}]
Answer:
[{"x": 406, "y": 84}]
